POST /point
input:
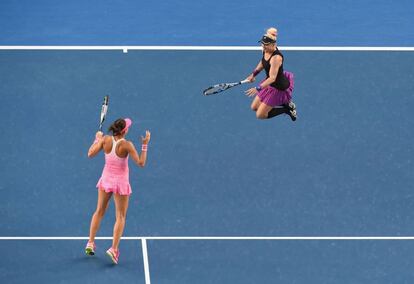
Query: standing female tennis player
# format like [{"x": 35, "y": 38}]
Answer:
[
  {"x": 114, "y": 180},
  {"x": 274, "y": 94}
]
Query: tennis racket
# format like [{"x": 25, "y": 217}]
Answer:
[
  {"x": 215, "y": 89},
  {"x": 103, "y": 111}
]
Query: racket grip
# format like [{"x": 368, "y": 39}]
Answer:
[{"x": 244, "y": 81}]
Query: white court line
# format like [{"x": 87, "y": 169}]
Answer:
[
  {"x": 304, "y": 238},
  {"x": 145, "y": 258},
  {"x": 204, "y": 48}
]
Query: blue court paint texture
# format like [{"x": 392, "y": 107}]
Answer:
[
  {"x": 344, "y": 168},
  {"x": 128, "y": 22}
]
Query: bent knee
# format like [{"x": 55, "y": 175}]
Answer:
[{"x": 260, "y": 115}]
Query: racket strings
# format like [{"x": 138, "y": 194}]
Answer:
[{"x": 215, "y": 89}]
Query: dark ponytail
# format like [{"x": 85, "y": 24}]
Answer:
[{"x": 117, "y": 127}]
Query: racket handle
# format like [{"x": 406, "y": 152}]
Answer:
[{"x": 244, "y": 81}]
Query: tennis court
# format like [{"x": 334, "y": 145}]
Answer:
[{"x": 224, "y": 198}]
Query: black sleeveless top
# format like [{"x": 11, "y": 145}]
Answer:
[{"x": 281, "y": 82}]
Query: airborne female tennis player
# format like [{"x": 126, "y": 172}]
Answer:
[
  {"x": 114, "y": 180},
  {"x": 274, "y": 94}
]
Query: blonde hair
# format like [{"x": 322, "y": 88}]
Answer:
[{"x": 272, "y": 33}]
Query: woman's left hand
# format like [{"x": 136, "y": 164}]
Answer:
[
  {"x": 146, "y": 139},
  {"x": 251, "y": 92}
]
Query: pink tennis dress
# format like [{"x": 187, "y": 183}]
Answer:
[{"x": 115, "y": 175}]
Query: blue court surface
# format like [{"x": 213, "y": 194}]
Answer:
[
  {"x": 206, "y": 22},
  {"x": 224, "y": 197}
]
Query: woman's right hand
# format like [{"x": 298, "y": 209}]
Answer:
[
  {"x": 99, "y": 135},
  {"x": 251, "y": 78},
  {"x": 147, "y": 137}
]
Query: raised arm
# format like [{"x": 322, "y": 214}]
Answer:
[
  {"x": 96, "y": 145},
  {"x": 140, "y": 160}
]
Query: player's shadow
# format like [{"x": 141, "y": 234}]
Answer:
[{"x": 96, "y": 261}]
